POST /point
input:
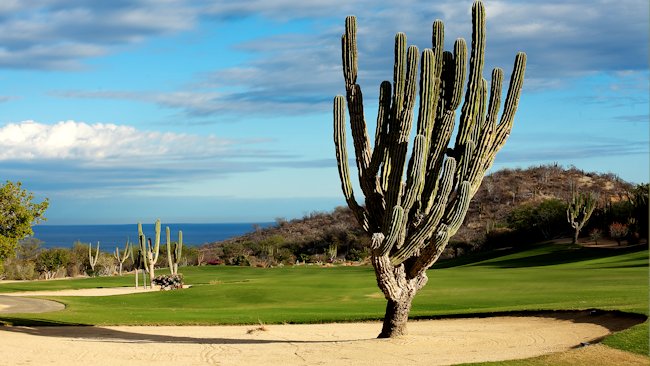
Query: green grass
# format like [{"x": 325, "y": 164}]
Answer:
[{"x": 544, "y": 277}]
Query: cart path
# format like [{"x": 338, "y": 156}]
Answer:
[{"x": 15, "y": 304}]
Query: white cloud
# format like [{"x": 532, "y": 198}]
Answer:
[
  {"x": 109, "y": 159},
  {"x": 58, "y": 34},
  {"x": 99, "y": 143}
]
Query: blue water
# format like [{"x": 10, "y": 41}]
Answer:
[{"x": 110, "y": 236}]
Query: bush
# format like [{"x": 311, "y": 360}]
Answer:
[
  {"x": 50, "y": 261},
  {"x": 169, "y": 282},
  {"x": 546, "y": 220},
  {"x": 595, "y": 234},
  {"x": 618, "y": 231},
  {"x": 17, "y": 269}
]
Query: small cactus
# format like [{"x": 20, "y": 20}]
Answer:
[
  {"x": 93, "y": 260},
  {"x": 579, "y": 210},
  {"x": 174, "y": 253},
  {"x": 123, "y": 257}
]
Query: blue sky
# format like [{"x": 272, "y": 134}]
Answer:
[{"x": 220, "y": 111}]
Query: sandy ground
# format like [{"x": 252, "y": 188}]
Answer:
[
  {"x": 110, "y": 291},
  {"x": 430, "y": 342}
]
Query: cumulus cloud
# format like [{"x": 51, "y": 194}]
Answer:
[
  {"x": 77, "y": 156},
  {"x": 99, "y": 143}
]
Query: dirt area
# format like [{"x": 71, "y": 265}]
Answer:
[{"x": 430, "y": 342}]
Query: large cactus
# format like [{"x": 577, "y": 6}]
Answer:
[
  {"x": 149, "y": 251},
  {"x": 410, "y": 222},
  {"x": 174, "y": 254},
  {"x": 579, "y": 210}
]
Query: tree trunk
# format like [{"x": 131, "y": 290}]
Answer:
[
  {"x": 399, "y": 290},
  {"x": 397, "y": 314},
  {"x": 575, "y": 237}
]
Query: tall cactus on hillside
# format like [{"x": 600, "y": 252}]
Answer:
[
  {"x": 149, "y": 251},
  {"x": 174, "y": 254},
  {"x": 410, "y": 222},
  {"x": 579, "y": 210}
]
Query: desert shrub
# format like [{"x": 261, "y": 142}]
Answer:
[
  {"x": 285, "y": 256},
  {"x": 595, "y": 234},
  {"x": 50, "y": 261},
  {"x": 500, "y": 237},
  {"x": 618, "y": 231},
  {"x": 356, "y": 255},
  {"x": 240, "y": 260},
  {"x": 18, "y": 269},
  {"x": 542, "y": 221},
  {"x": 105, "y": 265},
  {"x": 79, "y": 262},
  {"x": 169, "y": 282}
]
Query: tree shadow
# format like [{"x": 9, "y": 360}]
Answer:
[
  {"x": 553, "y": 255},
  {"x": 43, "y": 328}
]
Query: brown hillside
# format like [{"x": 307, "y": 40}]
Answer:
[
  {"x": 498, "y": 195},
  {"x": 508, "y": 188}
]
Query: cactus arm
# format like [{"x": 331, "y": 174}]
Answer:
[
  {"x": 472, "y": 94},
  {"x": 342, "y": 162},
  {"x": 449, "y": 225},
  {"x": 381, "y": 132},
  {"x": 178, "y": 251},
  {"x": 416, "y": 240},
  {"x": 415, "y": 173},
  {"x": 452, "y": 79},
  {"x": 179, "y": 247},
  {"x": 399, "y": 81},
  {"x": 156, "y": 248},
  {"x": 127, "y": 253},
  {"x": 170, "y": 262},
  {"x": 397, "y": 220},
  {"x": 403, "y": 122},
  {"x": 510, "y": 107}
]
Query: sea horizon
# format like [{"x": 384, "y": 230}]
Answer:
[{"x": 111, "y": 235}]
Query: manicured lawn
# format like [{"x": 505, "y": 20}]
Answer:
[{"x": 545, "y": 277}]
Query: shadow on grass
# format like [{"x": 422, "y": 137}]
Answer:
[
  {"x": 549, "y": 254},
  {"x": 612, "y": 320}
]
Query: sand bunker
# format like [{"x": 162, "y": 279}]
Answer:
[
  {"x": 430, "y": 342},
  {"x": 108, "y": 291}
]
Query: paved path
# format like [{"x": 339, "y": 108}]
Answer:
[{"x": 14, "y": 304}]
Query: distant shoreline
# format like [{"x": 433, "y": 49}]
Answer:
[{"x": 111, "y": 235}]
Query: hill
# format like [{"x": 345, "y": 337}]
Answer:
[{"x": 322, "y": 236}]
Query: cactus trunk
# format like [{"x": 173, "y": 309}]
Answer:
[
  {"x": 149, "y": 250},
  {"x": 411, "y": 220}
]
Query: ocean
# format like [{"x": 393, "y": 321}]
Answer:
[{"x": 109, "y": 236}]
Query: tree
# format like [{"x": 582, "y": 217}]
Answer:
[
  {"x": 50, "y": 261},
  {"x": 579, "y": 210},
  {"x": 17, "y": 215},
  {"x": 618, "y": 231},
  {"x": 410, "y": 222}
]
